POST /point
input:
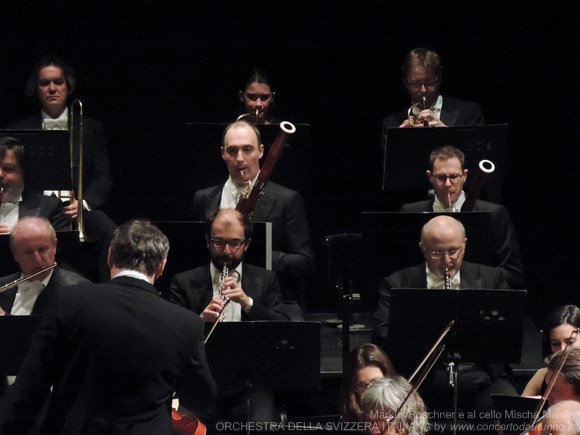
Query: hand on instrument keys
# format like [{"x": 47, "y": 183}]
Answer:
[
  {"x": 212, "y": 311},
  {"x": 233, "y": 291}
]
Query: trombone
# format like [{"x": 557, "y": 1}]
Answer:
[{"x": 76, "y": 144}]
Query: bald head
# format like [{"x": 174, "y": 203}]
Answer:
[
  {"x": 33, "y": 245},
  {"x": 563, "y": 418},
  {"x": 443, "y": 245}
]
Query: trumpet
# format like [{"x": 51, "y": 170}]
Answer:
[
  {"x": 252, "y": 118},
  {"x": 415, "y": 110},
  {"x": 19, "y": 281},
  {"x": 76, "y": 163}
]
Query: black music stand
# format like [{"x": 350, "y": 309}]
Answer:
[
  {"x": 16, "y": 335},
  {"x": 393, "y": 240},
  {"x": 47, "y": 155},
  {"x": 488, "y": 327},
  {"x": 514, "y": 413},
  {"x": 407, "y": 153},
  {"x": 280, "y": 356}
]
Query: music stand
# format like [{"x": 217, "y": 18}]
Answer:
[
  {"x": 407, "y": 151},
  {"x": 488, "y": 327},
  {"x": 47, "y": 155},
  {"x": 16, "y": 335},
  {"x": 280, "y": 356},
  {"x": 514, "y": 413}
]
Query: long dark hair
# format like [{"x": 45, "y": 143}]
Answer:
[{"x": 566, "y": 314}]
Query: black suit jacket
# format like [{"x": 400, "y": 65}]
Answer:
[
  {"x": 193, "y": 289},
  {"x": 47, "y": 300},
  {"x": 506, "y": 249},
  {"x": 454, "y": 112},
  {"x": 473, "y": 276},
  {"x": 49, "y": 207},
  {"x": 97, "y": 179},
  {"x": 293, "y": 254},
  {"x": 114, "y": 353}
]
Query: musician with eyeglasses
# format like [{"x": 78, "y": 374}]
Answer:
[
  {"x": 422, "y": 74},
  {"x": 253, "y": 293},
  {"x": 292, "y": 251},
  {"x": 443, "y": 243},
  {"x": 447, "y": 175}
]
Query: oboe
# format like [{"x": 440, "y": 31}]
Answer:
[
  {"x": 447, "y": 280},
  {"x": 223, "y": 276}
]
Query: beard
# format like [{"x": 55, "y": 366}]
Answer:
[{"x": 219, "y": 261}]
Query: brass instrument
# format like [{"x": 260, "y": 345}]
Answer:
[
  {"x": 486, "y": 167},
  {"x": 415, "y": 110},
  {"x": 19, "y": 281},
  {"x": 247, "y": 204},
  {"x": 76, "y": 143},
  {"x": 447, "y": 279},
  {"x": 252, "y": 118}
]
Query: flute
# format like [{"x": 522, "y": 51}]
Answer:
[{"x": 19, "y": 281}]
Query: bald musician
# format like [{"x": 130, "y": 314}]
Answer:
[
  {"x": 447, "y": 175},
  {"x": 443, "y": 244},
  {"x": 292, "y": 255}
]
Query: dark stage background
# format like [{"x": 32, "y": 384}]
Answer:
[{"x": 148, "y": 69}]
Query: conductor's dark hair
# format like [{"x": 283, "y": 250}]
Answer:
[
  {"x": 139, "y": 245},
  {"x": 565, "y": 314},
  {"x": 8, "y": 143},
  {"x": 243, "y": 219},
  {"x": 69, "y": 75}
]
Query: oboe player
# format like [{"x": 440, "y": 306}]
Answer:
[
  {"x": 447, "y": 175},
  {"x": 292, "y": 255},
  {"x": 254, "y": 294}
]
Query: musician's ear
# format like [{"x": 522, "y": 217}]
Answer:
[
  {"x": 261, "y": 148},
  {"x": 273, "y": 96},
  {"x": 422, "y": 247},
  {"x": 465, "y": 171},
  {"x": 241, "y": 95},
  {"x": 430, "y": 176},
  {"x": 207, "y": 241},
  {"x": 247, "y": 244},
  {"x": 160, "y": 269}
]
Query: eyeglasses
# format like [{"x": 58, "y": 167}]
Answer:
[
  {"x": 417, "y": 83},
  {"x": 255, "y": 97},
  {"x": 453, "y": 253},
  {"x": 221, "y": 243},
  {"x": 361, "y": 387},
  {"x": 454, "y": 178}
]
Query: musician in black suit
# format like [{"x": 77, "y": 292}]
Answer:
[
  {"x": 443, "y": 243},
  {"x": 447, "y": 174},
  {"x": 293, "y": 255},
  {"x": 33, "y": 245},
  {"x": 15, "y": 200},
  {"x": 422, "y": 74},
  {"x": 113, "y": 354},
  {"x": 52, "y": 82},
  {"x": 254, "y": 294}
]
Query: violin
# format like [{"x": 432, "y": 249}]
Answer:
[{"x": 184, "y": 423}]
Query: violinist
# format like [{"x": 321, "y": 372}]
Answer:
[
  {"x": 381, "y": 404},
  {"x": 563, "y": 418},
  {"x": 292, "y": 251},
  {"x": 366, "y": 362},
  {"x": 558, "y": 327}
]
